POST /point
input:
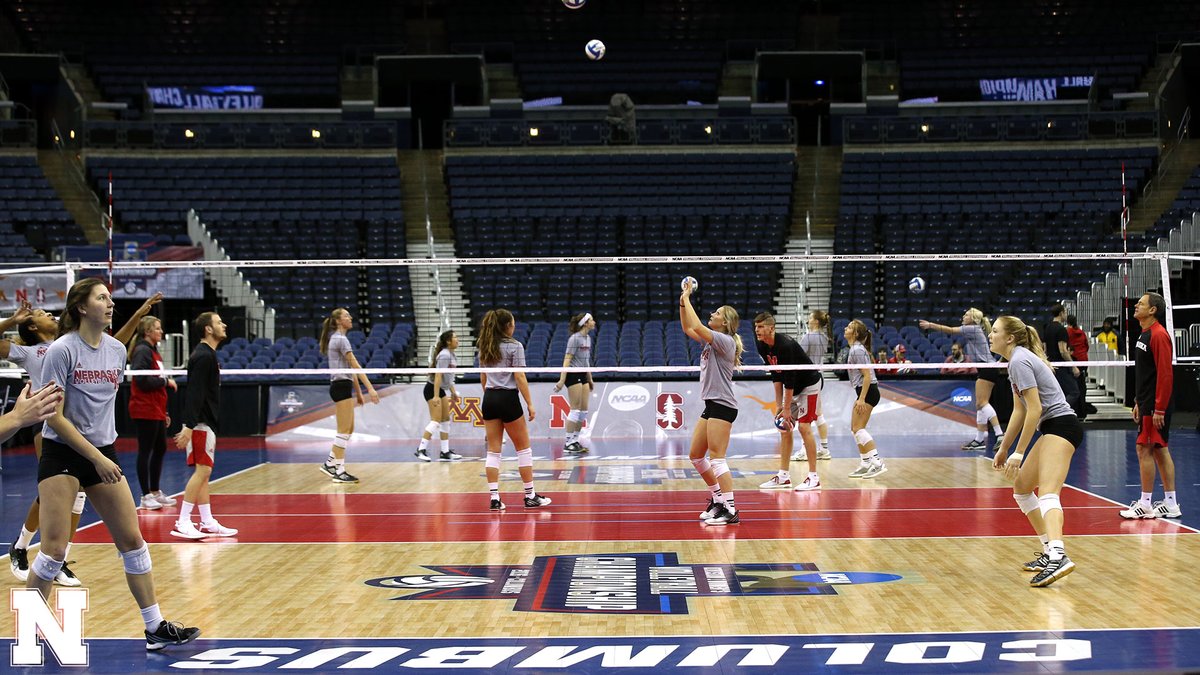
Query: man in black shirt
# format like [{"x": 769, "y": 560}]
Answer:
[
  {"x": 198, "y": 436},
  {"x": 1058, "y": 349},
  {"x": 796, "y": 394}
]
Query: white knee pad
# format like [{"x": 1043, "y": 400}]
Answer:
[
  {"x": 45, "y": 567},
  {"x": 492, "y": 461},
  {"x": 573, "y": 416},
  {"x": 80, "y": 500},
  {"x": 1028, "y": 502},
  {"x": 433, "y": 428},
  {"x": 525, "y": 457},
  {"x": 862, "y": 437},
  {"x": 581, "y": 416},
  {"x": 701, "y": 464},
  {"x": 981, "y": 416},
  {"x": 137, "y": 561},
  {"x": 719, "y": 467},
  {"x": 820, "y": 420},
  {"x": 988, "y": 412},
  {"x": 1049, "y": 503},
  {"x": 341, "y": 440}
]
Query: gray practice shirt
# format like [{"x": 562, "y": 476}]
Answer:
[
  {"x": 579, "y": 347},
  {"x": 445, "y": 359},
  {"x": 512, "y": 355},
  {"x": 716, "y": 384},
  {"x": 859, "y": 356},
  {"x": 89, "y": 377},
  {"x": 1025, "y": 371},
  {"x": 977, "y": 348},
  {"x": 32, "y": 360},
  {"x": 816, "y": 345},
  {"x": 339, "y": 347}
]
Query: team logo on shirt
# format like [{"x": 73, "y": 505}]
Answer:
[
  {"x": 84, "y": 376},
  {"x": 669, "y": 410},
  {"x": 625, "y": 583}
]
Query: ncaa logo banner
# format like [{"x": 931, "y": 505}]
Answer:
[{"x": 632, "y": 583}]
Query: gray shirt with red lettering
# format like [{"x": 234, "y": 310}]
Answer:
[{"x": 89, "y": 377}]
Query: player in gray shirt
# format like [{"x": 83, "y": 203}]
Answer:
[
  {"x": 975, "y": 331},
  {"x": 579, "y": 385},
  {"x": 344, "y": 390},
  {"x": 77, "y": 452},
  {"x": 866, "y": 386},
  {"x": 1038, "y": 405},
  {"x": 721, "y": 355},
  {"x": 501, "y": 407},
  {"x": 438, "y": 400},
  {"x": 816, "y": 343}
]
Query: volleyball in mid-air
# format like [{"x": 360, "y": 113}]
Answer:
[
  {"x": 574, "y": 4},
  {"x": 916, "y": 285},
  {"x": 782, "y": 423},
  {"x": 594, "y": 50},
  {"x": 689, "y": 281}
]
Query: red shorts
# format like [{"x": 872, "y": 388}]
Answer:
[
  {"x": 1150, "y": 435},
  {"x": 804, "y": 404},
  {"x": 202, "y": 447}
]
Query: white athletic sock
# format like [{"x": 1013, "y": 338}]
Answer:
[
  {"x": 999, "y": 430},
  {"x": 340, "y": 465},
  {"x": 1170, "y": 498},
  {"x": 872, "y": 456},
  {"x": 729, "y": 502},
  {"x": 67, "y": 551},
  {"x": 1057, "y": 550},
  {"x": 185, "y": 511},
  {"x": 494, "y": 488},
  {"x": 445, "y": 446},
  {"x": 980, "y": 436},
  {"x": 715, "y": 489},
  {"x": 529, "y": 490},
  {"x": 153, "y": 617},
  {"x": 784, "y": 476},
  {"x": 1045, "y": 541},
  {"x": 424, "y": 444},
  {"x": 26, "y": 538},
  {"x": 205, "y": 513},
  {"x": 1146, "y": 497}
]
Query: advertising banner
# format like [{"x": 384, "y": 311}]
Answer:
[{"x": 43, "y": 291}]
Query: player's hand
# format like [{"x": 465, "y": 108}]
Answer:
[
  {"x": 558, "y": 385},
  {"x": 1012, "y": 466},
  {"x": 1159, "y": 420},
  {"x": 108, "y": 470},
  {"x": 168, "y": 422},
  {"x": 150, "y": 302},
  {"x": 1136, "y": 418},
  {"x": 358, "y": 397},
  {"x": 183, "y": 438},
  {"x": 374, "y": 396},
  {"x": 23, "y": 312},
  {"x": 591, "y": 385},
  {"x": 39, "y": 406},
  {"x": 454, "y": 398},
  {"x": 171, "y": 384},
  {"x": 860, "y": 407},
  {"x": 532, "y": 414},
  {"x": 924, "y": 324}
]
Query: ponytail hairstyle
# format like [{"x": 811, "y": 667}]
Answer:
[
  {"x": 822, "y": 319},
  {"x": 577, "y": 321},
  {"x": 491, "y": 332},
  {"x": 443, "y": 340},
  {"x": 328, "y": 327},
  {"x": 1024, "y": 336},
  {"x": 730, "y": 316},
  {"x": 980, "y": 320},
  {"x": 68, "y": 321},
  {"x": 139, "y": 333},
  {"x": 861, "y": 334}
]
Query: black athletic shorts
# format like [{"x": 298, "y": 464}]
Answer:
[
  {"x": 576, "y": 378},
  {"x": 428, "y": 391},
  {"x": 718, "y": 411},
  {"x": 503, "y": 405},
  {"x": 59, "y": 458},
  {"x": 340, "y": 390},
  {"x": 872, "y": 394},
  {"x": 992, "y": 375},
  {"x": 1064, "y": 426}
]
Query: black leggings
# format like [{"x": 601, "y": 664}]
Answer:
[{"x": 152, "y": 447}]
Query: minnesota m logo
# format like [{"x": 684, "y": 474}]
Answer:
[
  {"x": 467, "y": 410},
  {"x": 63, "y": 633}
]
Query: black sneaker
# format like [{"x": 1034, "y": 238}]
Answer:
[
  {"x": 344, "y": 477},
  {"x": 423, "y": 456},
  {"x": 1054, "y": 570},
  {"x": 497, "y": 505},
  {"x": 18, "y": 562},
  {"x": 536, "y": 501},
  {"x": 710, "y": 511},
  {"x": 725, "y": 517},
  {"x": 328, "y": 469},
  {"x": 575, "y": 448},
  {"x": 1037, "y": 564},
  {"x": 66, "y": 577},
  {"x": 450, "y": 456},
  {"x": 170, "y": 633}
]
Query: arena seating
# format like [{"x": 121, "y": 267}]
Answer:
[
  {"x": 940, "y": 202},
  {"x": 33, "y": 219},
  {"x": 385, "y": 345},
  {"x": 304, "y": 208}
]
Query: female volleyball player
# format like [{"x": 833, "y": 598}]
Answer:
[
  {"x": 78, "y": 452},
  {"x": 816, "y": 343},
  {"x": 579, "y": 385},
  {"x": 148, "y": 410},
  {"x": 343, "y": 389},
  {"x": 866, "y": 386},
  {"x": 710, "y": 440},
  {"x": 975, "y": 331},
  {"x": 502, "y": 394},
  {"x": 438, "y": 400},
  {"x": 1038, "y": 405}
]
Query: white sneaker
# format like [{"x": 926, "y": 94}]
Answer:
[
  {"x": 860, "y": 471},
  {"x": 1163, "y": 511},
  {"x": 777, "y": 483},
  {"x": 215, "y": 529},
  {"x": 877, "y": 469},
  {"x": 809, "y": 483},
  {"x": 1137, "y": 510},
  {"x": 823, "y": 452},
  {"x": 150, "y": 503},
  {"x": 186, "y": 530},
  {"x": 67, "y": 578},
  {"x": 800, "y": 455},
  {"x": 162, "y": 498}
]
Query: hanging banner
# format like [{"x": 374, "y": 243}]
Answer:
[
  {"x": 43, "y": 291},
  {"x": 1034, "y": 88},
  {"x": 235, "y": 97}
]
